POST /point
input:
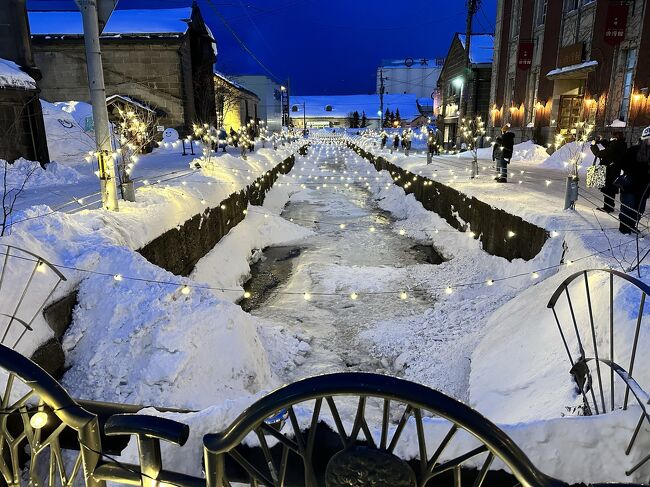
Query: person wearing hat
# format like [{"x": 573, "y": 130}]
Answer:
[
  {"x": 502, "y": 152},
  {"x": 611, "y": 154},
  {"x": 635, "y": 183}
]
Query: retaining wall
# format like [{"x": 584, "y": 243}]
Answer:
[
  {"x": 177, "y": 250},
  {"x": 491, "y": 225}
]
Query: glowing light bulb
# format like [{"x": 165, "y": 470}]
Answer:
[
  {"x": 118, "y": 277},
  {"x": 342, "y": 226},
  {"x": 489, "y": 282},
  {"x": 373, "y": 229},
  {"x": 402, "y": 231},
  {"x": 38, "y": 420},
  {"x": 354, "y": 296},
  {"x": 185, "y": 289},
  {"x": 247, "y": 295},
  {"x": 403, "y": 295},
  {"x": 511, "y": 234},
  {"x": 535, "y": 275},
  {"x": 449, "y": 290},
  {"x": 307, "y": 296}
]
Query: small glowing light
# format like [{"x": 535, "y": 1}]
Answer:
[
  {"x": 307, "y": 296},
  {"x": 403, "y": 295},
  {"x": 489, "y": 282},
  {"x": 402, "y": 231},
  {"x": 185, "y": 289},
  {"x": 449, "y": 290},
  {"x": 266, "y": 215},
  {"x": 41, "y": 267},
  {"x": 223, "y": 207},
  {"x": 354, "y": 296},
  {"x": 547, "y": 182},
  {"x": 247, "y": 295},
  {"x": 569, "y": 262},
  {"x": 245, "y": 211},
  {"x": 535, "y": 275},
  {"x": 342, "y": 226},
  {"x": 511, "y": 234},
  {"x": 38, "y": 420},
  {"x": 471, "y": 234},
  {"x": 118, "y": 277},
  {"x": 554, "y": 234},
  {"x": 373, "y": 229}
]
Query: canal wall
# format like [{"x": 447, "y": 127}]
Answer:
[
  {"x": 490, "y": 225},
  {"x": 177, "y": 250}
]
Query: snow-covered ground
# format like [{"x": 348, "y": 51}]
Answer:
[{"x": 359, "y": 296}]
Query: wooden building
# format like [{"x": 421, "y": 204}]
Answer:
[
  {"x": 22, "y": 132},
  {"x": 463, "y": 93}
]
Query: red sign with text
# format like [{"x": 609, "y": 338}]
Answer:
[
  {"x": 525, "y": 55},
  {"x": 615, "y": 24}
]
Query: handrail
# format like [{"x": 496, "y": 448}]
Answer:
[
  {"x": 556, "y": 295},
  {"x": 387, "y": 387},
  {"x": 52, "y": 393}
]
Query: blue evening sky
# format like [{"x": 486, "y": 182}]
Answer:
[{"x": 324, "y": 47}]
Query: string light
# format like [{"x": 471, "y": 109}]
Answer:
[
  {"x": 185, "y": 289},
  {"x": 247, "y": 294},
  {"x": 354, "y": 296},
  {"x": 449, "y": 290},
  {"x": 118, "y": 277},
  {"x": 490, "y": 282},
  {"x": 307, "y": 296},
  {"x": 403, "y": 295}
]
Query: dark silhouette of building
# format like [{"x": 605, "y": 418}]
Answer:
[{"x": 22, "y": 132}]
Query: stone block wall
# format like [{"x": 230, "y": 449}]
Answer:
[{"x": 148, "y": 70}]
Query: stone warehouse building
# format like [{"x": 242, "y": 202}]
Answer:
[
  {"x": 559, "y": 63},
  {"x": 459, "y": 96},
  {"x": 22, "y": 132},
  {"x": 236, "y": 105},
  {"x": 163, "y": 58}
]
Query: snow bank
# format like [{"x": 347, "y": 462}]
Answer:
[
  {"x": 228, "y": 264},
  {"x": 569, "y": 152},
  {"x": 11, "y": 76},
  {"x": 67, "y": 142},
  {"x": 527, "y": 152},
  {"x": 32, "y": 175}
]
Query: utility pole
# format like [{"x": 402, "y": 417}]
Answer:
[
  {"x": 304, "y": 119},
  {"x": 381, "y": 98},
  {"x": 105, "y": 159},
  {"x": 472, "y": 8}
]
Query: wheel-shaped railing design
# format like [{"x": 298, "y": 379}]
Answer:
[
  {"x": 595, "y": 343},
  {"x": 389, "y": 420}
]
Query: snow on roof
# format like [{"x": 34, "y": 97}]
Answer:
[
  {"x": 121, "y": 22},
  {"x": 587, "y": 65},
  {"x": 481, "y": 48},
  {"x": 234, "y": 83},
  {"x": 130, "y": 101},
  {"x": 11, "y": 76},
  {"x": 343, "y": 105}
]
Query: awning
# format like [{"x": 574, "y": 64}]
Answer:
[{"x": 574, "y": 71}]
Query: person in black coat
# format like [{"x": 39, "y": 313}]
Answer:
[
  {"x": 635, "y": 183},
  {"x": 502, "y": 153},
  {"x": 395, "y": 142},
  {"x": 611, "y": 156}
]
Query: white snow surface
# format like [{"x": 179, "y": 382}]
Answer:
[
  {"x": 11, "y": 76},
  {"x": 67, "y": 142}
]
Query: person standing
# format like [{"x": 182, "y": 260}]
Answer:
[
  {"x": 502, "y": 152},
  {"x": 438, "y": 140},
  {"x": 611, "y": 156},
  {"x": 635, "y": 183},
  {"x": 395, "y": 143},
  {"x": 384, "y": 139}
]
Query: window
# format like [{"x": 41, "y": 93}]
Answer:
[
  {"x": 571, "y": 5},
  {"x": 542, "y": 6},
  {"x": 628, "y": 82}
]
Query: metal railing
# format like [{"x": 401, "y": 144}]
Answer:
[{"x": 587, "y": 344}]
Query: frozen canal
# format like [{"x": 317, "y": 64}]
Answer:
[{"x": 353, "y": 239}]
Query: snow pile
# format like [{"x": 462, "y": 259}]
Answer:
[
  {"x": 67, "y": 142},
  {"x": 529, "y": 152},
  {"x": 11, "y": 76},
  {"x": 32, "y": 175},
  {"x": 569, "y": 153},
  {"x": 540, "y": 385},
  {"x": 81, "y": 111}
]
